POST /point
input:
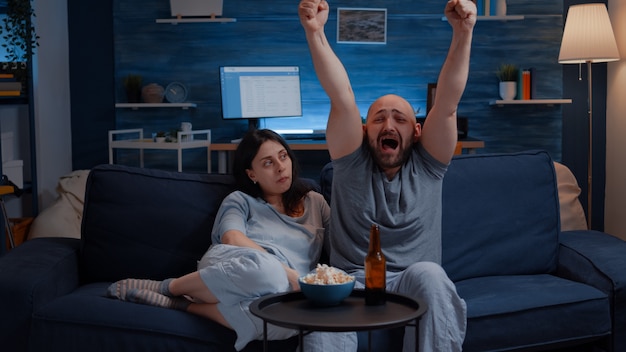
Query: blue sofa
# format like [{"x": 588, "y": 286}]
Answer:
[{"x": 527, "y": 285}]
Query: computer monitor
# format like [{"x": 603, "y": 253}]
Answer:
[{"x": 254, "y": 92}]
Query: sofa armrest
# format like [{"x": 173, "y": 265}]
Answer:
[
  {"x": 598, "y": 259},
  {"x": 32, "y": 275}
]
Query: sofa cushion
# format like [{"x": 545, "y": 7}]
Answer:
[
  {"x": 500, "y": 215},
  {"x": 87, "y": 320},
  {"x": 522, "y": 311},
  {"x": 572, "y": 213},
  {"x": 181, "y": 208}
]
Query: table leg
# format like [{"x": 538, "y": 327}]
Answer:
[
  {"x": 369, "y": 340},
  {"x": 208, "y": 157},
  {"x": 265, "y": 348},
  {"x": 180, "y": 160},
  {"x": 417, "y": 337},
  {"x": 222, "y": 161},
  {"x": 301, "y": 340}
]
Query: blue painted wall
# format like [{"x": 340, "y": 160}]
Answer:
[{"x": 417, "y": 42}]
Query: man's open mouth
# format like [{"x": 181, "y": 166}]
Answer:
[{"x": 389, "y": 143}]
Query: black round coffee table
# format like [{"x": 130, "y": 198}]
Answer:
[{"x": 293, "y": 310}]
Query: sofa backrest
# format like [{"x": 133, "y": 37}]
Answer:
[
  {"x": 500, "y": 214},
  {"x": 146, "y": 223}
]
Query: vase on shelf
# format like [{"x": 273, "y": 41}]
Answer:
[
  {"x": 152, "y": 93},
  {"x": 508, "y": 90},
  {"x": 501, "y": 8}
]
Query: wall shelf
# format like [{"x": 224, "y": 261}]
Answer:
[
  {"x": 195, "y": 20},
  {"x": 495, "y": 18},
  {"x": 531, "y": 102},
  {"x": 136, "y": 106}
]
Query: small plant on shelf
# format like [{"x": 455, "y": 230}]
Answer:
[
  {"x": 160, "y": 137},
  {"x": 507, "y": 73},
  {"x": 132, "y": 84}
]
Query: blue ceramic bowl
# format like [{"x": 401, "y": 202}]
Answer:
[{"x": 326, "y": 295}]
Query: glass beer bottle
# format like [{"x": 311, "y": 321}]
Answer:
[{"x": 375, "y": 270}]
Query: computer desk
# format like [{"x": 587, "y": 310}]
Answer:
[{"x": 225, "y": 150}]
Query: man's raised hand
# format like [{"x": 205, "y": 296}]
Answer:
[
  {"x": 313, "y": 14},
  {"x": 461, "y": 14}
]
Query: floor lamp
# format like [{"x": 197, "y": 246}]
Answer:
[{"x": 588, "y": 38}]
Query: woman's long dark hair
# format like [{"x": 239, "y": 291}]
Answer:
[{"x": 245, "y": 153}]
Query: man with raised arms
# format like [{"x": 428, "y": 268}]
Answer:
[{"x": 390, "y": 171}]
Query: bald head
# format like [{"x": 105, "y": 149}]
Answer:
[{"x": 391, "y": 102}]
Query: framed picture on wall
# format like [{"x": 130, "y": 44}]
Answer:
[{"x": 361, "y": 25}]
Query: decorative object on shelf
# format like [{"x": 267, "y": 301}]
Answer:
[
  {"x": 18, "y": 33},
  {"x": 132, "y": 85},
  {"x": 588, "y": 38},
  {"x": 501, "y": 8},
  {"x": 160, "y": 137},
  {"x": 212, "y": 8},
  {"x": 152, "y": 93},
  {"x": 176, "y": 92},
  {"x": 195, "y": 11},
  {"x": 507, "y": 74},
  {"x": 186, "y": 127}
]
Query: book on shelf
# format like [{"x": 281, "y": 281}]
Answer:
[
  {"x": 486, "y": 7},
  {"x": 10, "y": 93},
  {"x": 8, "y": 86},
  {"x": 480, "y": 7},
  {"x": 533, "y": 83},
  {"x": 520, "y": 85},
  {"x": 526, "y": 81},
  {"x": 11, "y": 74},
  {"x": 526, "y": 84}
]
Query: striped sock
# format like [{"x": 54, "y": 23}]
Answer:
[
  {"x": 120, "y": 288},
  {"x": 156, "y": 299}
]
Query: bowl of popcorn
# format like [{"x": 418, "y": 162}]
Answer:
[{"x": 326, "y": 285}]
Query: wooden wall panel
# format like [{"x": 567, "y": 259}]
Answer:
[{"x": 417, "y": 42}]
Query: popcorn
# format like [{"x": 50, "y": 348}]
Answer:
[{"x": 327, "y": 275}]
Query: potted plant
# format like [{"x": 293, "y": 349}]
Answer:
[
  {"x": 160, "y": 137},
  {"x": 132, "y": 84},
  {"x": 18, "y": 32},
  {"x": 19, "y": 40},
  {"x": 508, "y": 74}
]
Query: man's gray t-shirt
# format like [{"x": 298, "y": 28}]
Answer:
[{"x": 407, "y": 209}]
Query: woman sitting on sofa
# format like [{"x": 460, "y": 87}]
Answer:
[{"x": 265, "y": 236}]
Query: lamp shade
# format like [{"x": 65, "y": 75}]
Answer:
[{"x": 588, "y": 36}]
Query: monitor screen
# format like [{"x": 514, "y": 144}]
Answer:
[{"x": 253, "y": 92}]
